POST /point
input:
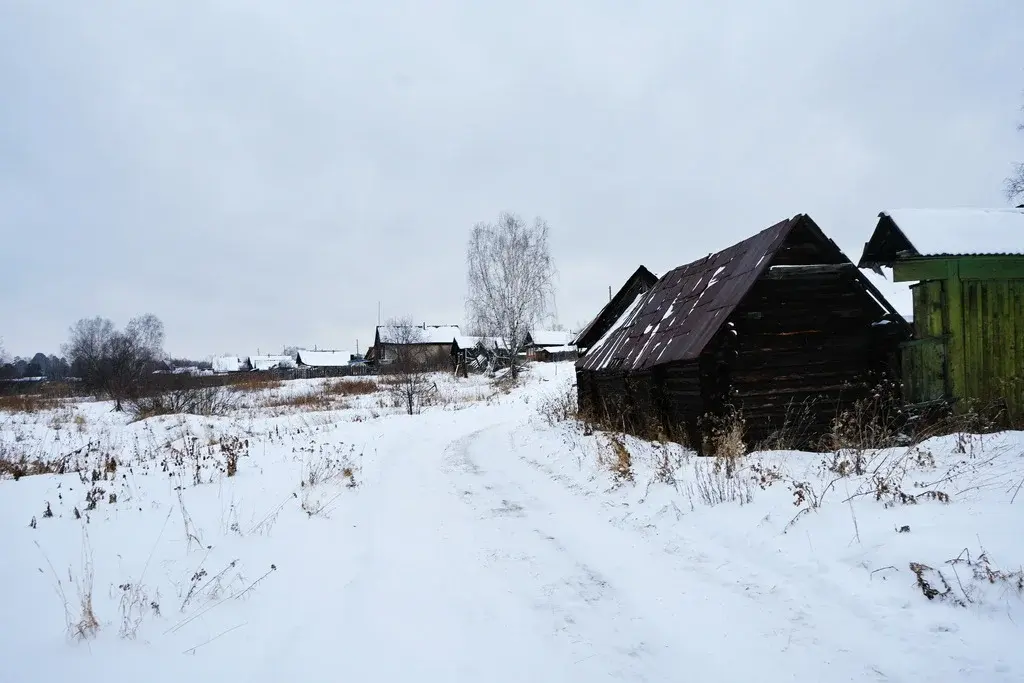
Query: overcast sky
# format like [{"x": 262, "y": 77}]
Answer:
[{"x": 263, "y": 173}]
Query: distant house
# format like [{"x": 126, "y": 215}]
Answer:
[
  {"x": 967, "y": 266},
  {"x": 551, "y": 354},
  {"x": 263, "y": 363},
  {"x": 323, "y": 359},
  {"x": 544, "y": 344},
  {"x": 639, "y": 283},
  {"x": 224, "y": 364},
  {"x": 324, "y": 363},
  {"x": 780, "y": 325},
  {"x": 428, "y": 346}
]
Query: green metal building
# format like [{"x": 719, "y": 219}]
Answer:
[{"x": 967, "y": 266}]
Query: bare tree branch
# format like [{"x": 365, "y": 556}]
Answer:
[
  {"x": 1014, "y": 185},
  {"x": 405, "y": 362},
  {"x": 115, "y": 362},
  {"x": 510, "y": 279}
]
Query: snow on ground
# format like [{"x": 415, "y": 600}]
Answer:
[{"x": 486, "y": 540}]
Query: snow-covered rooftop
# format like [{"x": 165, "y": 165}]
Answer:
[
  {"x": 227, "y": 364},
  {"x": 324, "y": 359},
  {"x": 271, "y": 362},
  {"x": 418, "y": 334},
  {"x": 561, "y": 349},
  {"x": 599, "y": 347},
  {"x": 468, "y": 342},
  {"x": 962, "y": 231},
  {"x": 552, "y": 337}
]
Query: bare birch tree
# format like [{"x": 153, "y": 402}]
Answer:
[
  {"x": 1015, "y": 183},
  {"x": 510, "y": 279}
]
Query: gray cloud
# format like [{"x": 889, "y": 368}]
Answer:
[{"x": 260, "y": 174}]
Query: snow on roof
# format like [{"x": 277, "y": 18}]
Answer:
[
  {"x": 324, "y": 359},
  {"x": 431, "y": 334},
  {"x": 271, "y": 362},
  {"x": 227, "y": 364},
  {"x": 962, "y": 231},
  {"x": 625, "y": 319},
  {"x": 560, "y": 349},
  {"x": 469, "y": 342},
  {"x": 552, "y": 337}
]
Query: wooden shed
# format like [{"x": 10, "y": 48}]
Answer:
[
  {"x": 640, "y": 282},
  {"x": 779, "y": 323},
  {"x": 968, "y": 298}
]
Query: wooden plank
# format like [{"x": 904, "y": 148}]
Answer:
[
  {"x": 991, "y": 267},
  {"x": 955, "y": 348},
  {"x": 778, "y": 272},
  {"x": 921, "y": 269}
]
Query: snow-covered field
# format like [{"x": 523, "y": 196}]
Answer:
[{"x": 484, "y": 540}]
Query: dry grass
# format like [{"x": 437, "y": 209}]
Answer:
[
  {"x": 354, "y": 387},
  {"x": 16, "y": 467},
  {"x": 617, "y": 458},
  {"x": 87, "y": 624},
  {"x": 314, "y": 401},
  {"x": 715, "y": 484},
  {"x": 28, "y": 403},
  {"x": 560, "y": 406},
  {"x": 723, "y": 437},
  {"x": 251, "y": 382}
]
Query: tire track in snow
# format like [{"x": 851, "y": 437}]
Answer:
[{"x": 818, "y": 633}]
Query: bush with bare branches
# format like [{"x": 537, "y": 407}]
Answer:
[{"x": 205, "y": 401}]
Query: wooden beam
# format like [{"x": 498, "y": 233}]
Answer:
[
  {"x": 955, "y": 347},
  {"x": 921, "y": 269},
  {"x": 991, "y": 267},
  {"x": 779, "y": 272}
]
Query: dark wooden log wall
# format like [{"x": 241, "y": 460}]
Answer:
[
  {"x": 681, "y": 399},
  {"x": 805, "y": 348}
]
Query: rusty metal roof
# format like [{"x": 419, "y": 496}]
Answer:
[{"x": 677, "y": 318}]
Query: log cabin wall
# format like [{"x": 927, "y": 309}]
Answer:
[{"x": 806, "y": 348}]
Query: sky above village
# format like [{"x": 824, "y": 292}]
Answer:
[{"x": 261, "y": 174}]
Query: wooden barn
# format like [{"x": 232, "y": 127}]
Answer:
[
  {"x": 640, "y": 282},
  {"x": 779, "y": 324},
  {"x": 968, "y": 299}
]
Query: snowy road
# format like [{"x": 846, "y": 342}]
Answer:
[
  {"x": 469, "y": 564},
  {"x": 483, "y": 544}
]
